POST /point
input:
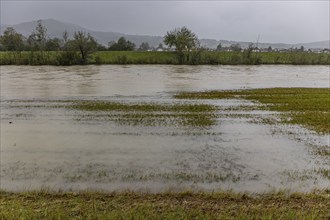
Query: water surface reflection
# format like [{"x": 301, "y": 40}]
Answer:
[{"x": 45, "y": 144}]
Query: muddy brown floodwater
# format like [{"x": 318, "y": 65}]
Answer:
[{"x": 46, "y": 144}]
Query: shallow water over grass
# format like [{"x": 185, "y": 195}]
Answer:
[{"x": 105, "y": 128}]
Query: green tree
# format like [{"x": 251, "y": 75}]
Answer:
[
  {"x": 11, "y": 40},
  {"x": 101, "y": 47},
  {"x": 38, "y": 38},
  {"x": 301, "y": 49},
  {"x": 219, "y": 47},
  {"x": 247, "y": 52},
  {"x": 53, "y": 44},
  {"x": 144, "y": 46},
  {"x": 160, "y": 46},
  {"x": 236, "y": 47},
  {"x": 68, "y": 55},
  {"x": 110, "y": 43},
  {"x": 184, "y": 41},
  {"x": 65, "y": 37},
  {"x": 269, "y": 49},
  {"x": 84, "y": 43},
  {"x": 122, "y": 45},
  {"x": 247, "y": 56}
]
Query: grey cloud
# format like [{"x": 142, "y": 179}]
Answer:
[{"x": 289, "y": 22}]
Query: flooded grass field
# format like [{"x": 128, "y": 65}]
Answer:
[{"x": 146, "y": 128}]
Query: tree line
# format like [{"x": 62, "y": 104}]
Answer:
[
  {"x": 79, "y": 48},
  {"x": 74, "y": 51}
]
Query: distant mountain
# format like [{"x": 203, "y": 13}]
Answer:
[
  {"x": 319, "y": 44},
  {"x": 56, "y": 28}
]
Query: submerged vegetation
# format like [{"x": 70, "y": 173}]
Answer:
[
  {"x": 309, "y": 107},
  {"x": 136, "y": 114},
  {"x": 145, "y": 107},
  {"x": 168, "y": 205},
  {"x": 149, "y": 114}
]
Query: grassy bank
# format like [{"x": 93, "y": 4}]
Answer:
[
  {"x": 309, "y": 107},
  {"x": 130, "y": 205},
  {"x": 152, "y": 57}
]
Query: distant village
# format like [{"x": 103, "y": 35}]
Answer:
[
  {"x": 270, "y": 49},
  {"x": 239, "y": 48}
]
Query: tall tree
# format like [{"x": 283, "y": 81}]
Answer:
[
  {"x": 37, "y": 40},
  {"x": 84, "y": 43},
  {"x": 65, "y": 37},
  {"x": 219, "y": 47},
  {"x": 184, "y": 41},
  {"x": 11, "y": 40},
  {"x": 144, "y": 46},
  {"x": 269, "y": 49},
  {"x": 236, "y": 47},
  {"x": 302, "y": 49},
  {"x": 53, "y": 44},
  {"x": 122, "y": 45},
  {"x": 160, "y": 46}
]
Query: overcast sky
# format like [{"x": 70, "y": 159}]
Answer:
[{"x": 275, "y": 21}]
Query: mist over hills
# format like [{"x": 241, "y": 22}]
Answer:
[{"x": 56, "y": 28}]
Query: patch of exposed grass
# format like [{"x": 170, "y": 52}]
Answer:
[
  {"x": 309, "y": 107},
  {"x": 184, "y": 176},
  {"x": 143, "y": 107},
  {"x": 223, "y": 94},
  {"x": 303, "y": 175},
  {"x": 316, "y": 120},
  {"x": 140, "y": 114},
  {"x": 148, "y": 114},
  {"x": 189, "y": 119},
  {"x": 322, "y": 150},
  {"x": 101, "y": 173},
  {"x": 185, "y": 205},
  {"x": 324, "y": 172}
]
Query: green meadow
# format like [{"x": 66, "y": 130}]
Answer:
[
  {"x": 167, "y": 205},
  {"x": 309, "y": 107},
  {"x": 154, "y": 57}
]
